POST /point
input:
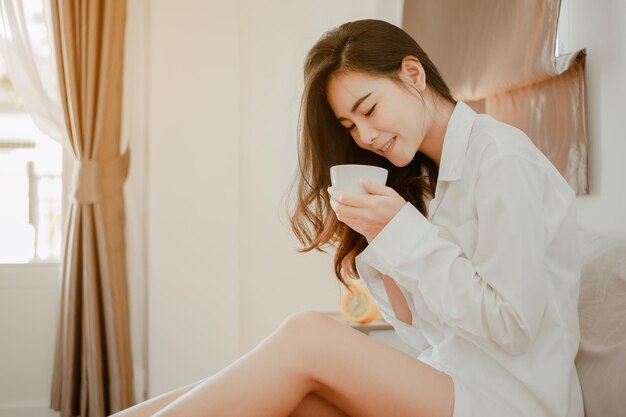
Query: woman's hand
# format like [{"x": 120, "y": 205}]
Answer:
[{"x": 368, "y": 213}]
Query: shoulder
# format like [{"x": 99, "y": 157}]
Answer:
[
  {"x": 491, "y": 139},
  {"x": 497, "y": 146}
]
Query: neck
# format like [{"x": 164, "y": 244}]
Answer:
[{"x": 432, "y": 145}]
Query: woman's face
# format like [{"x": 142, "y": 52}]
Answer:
[{"x": 383, "y": 116}]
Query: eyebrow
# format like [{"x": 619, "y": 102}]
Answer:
[{"x": 356, "y": 105}]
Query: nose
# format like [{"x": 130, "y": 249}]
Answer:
[{"x": 367, "y": 134}]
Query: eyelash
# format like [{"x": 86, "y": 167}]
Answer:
[{"x": 368, "y": 114}]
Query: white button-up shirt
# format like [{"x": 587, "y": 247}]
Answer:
[{"x": 491, "y": 276}]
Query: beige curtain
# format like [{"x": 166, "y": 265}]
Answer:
[
  {"x": 93, "y": 366},
  {"x": 541, "y": 108},
  {"x": 499, "y": 57}
]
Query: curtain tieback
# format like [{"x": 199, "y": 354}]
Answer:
[{"x": 95, "y": 180}]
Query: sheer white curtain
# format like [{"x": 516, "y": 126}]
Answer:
[{"x": 26, "y": 43}]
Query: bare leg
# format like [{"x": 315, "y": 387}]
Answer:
[
  {"x": 315, "y": 406},
  {"x": 269, "y": 380},
  {"x": 311, "y": 406},
  {"x": 311, "y": 353},
  {"x": 151, "y": 406}
]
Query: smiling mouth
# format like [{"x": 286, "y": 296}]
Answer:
[{"x": 387, "y": 145}]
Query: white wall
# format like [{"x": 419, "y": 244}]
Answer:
[
  {"x": 28, "y": 319},
  {"x": 599, "y": 27},
  {"x": 193, "y": 190}
]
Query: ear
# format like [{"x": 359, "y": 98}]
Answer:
[{"x": 412, "y": 73}]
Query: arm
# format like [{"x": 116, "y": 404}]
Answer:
[
  {"x": 372, "y": 279},
  {"x": 498, "y": 295},
  {"x": 398, "y": 302}
]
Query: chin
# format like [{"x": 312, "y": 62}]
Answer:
[{"x": 401, "y": 163}]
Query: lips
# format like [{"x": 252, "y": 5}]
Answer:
[{"x": 387, "y": 147}]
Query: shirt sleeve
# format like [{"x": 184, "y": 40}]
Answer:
[
  {"x": 410, "y": 334},
  {"x": 499, "y": 295}
]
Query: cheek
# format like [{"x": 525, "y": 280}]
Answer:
[
  {"x": 358, "y": 142},
  {"x": 354, "y": 135},
  {"x": 412, "y": 125},
  {"x": 396, "y": 120}
]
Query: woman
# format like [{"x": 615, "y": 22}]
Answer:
[{"x": 469, "y": 252}]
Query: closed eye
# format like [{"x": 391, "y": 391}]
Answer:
[{"x": 369, "y": 113}]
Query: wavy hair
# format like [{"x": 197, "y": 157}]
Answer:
[{"x": 371, "y": 47}]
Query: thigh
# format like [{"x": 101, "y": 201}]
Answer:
[
  {"x": 151, "y": 406},
  {"x": 315, "y": 406},
  {"x": 364, "y": 376}
]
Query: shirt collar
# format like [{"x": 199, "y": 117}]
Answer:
[{"x": 455, "y": 142}]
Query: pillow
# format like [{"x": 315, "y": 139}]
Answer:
[{"x": 601, "y": 359}]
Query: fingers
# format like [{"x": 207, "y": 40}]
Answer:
[
  {"x": 359, "y": 200},
  {"x": 345, "y": 212},
  {"x": 349, "y": 199},
  {"x": 372, "y": 187},
  {"x": 353, "y": 207}
]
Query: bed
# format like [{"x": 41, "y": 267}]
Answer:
[{"x": 601, "y": 359}]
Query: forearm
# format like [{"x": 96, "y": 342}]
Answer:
[{"x": 398, "y": 302}]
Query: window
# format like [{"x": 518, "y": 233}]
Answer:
[
  {"x": 563, "y": 42},
  {"x": 30, "y": 184}
]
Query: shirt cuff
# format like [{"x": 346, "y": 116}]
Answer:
[{"x": 396, "y": 240}]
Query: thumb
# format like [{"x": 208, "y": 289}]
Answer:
[{"x": 372, "y": 187}]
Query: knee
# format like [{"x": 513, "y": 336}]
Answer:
[
  {"x": 308, "y": 337},
  {"x": 304, "y": 327},
  {"x": 304, "y": 320}
]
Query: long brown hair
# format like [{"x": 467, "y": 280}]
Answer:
[{"x": 372, "y": 47}]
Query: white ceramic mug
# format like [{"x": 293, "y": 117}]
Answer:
[{"x": 346, "y": 177}]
